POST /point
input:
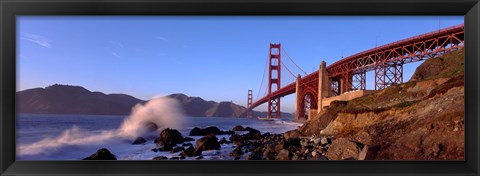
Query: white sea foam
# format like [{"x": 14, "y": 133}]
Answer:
[
  {"x": 162, "y": 111},
  {"x": 73, "y": 136}
]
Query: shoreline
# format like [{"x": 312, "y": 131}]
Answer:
[{"x": 238, "y": 143}]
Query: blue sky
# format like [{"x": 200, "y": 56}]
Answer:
[{"x": 216, "y": 58}]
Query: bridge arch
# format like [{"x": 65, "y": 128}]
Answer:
[{"x": 309, "y": 102}]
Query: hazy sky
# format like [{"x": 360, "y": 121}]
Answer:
[{"x": 216, "y": 58}]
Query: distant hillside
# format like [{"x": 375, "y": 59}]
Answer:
[
  {"x": 198, "y": 107},
  {"x": 264, "y": 114},
  {"x": 65, "y": 99}
]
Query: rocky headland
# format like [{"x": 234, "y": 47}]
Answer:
[{"x": 422, "y": 119}]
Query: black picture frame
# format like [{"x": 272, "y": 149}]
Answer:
[{"x": 9, "y": 9}]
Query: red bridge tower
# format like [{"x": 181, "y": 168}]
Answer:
[
  {"x": 274, "y": 80},
  {"x": 249, "y": 104}
]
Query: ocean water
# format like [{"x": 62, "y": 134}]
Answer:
[{"x": 73, "y": 137}]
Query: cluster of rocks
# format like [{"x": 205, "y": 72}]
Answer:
[
  {"x": 209, "y": 141},
  {"x": 173, "y": 141},
  {"x": 101, "y": 154},
  {"x": 253, "y": 145},
  {"x": 276, "y": 147}
]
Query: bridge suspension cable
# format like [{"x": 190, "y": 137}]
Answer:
[
  {"x": 288, "y": 69},
  {"x": 283, "y": 48},
  {"x": 263, "y": 78},
  {"x": 304, "y": 84}
]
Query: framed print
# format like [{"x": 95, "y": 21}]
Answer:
[{"x": 253, "y": 87}]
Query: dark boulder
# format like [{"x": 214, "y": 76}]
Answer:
[
  {"x": 166, "y": 147},
  {"x": 238, "y": 128},
  {"x": 283, "y": 155},
  {"x": 188, "y": 139},
  {"x": 190, "y": 151},
  {"x": 101, "y": 154},
  {"x": 170, "y": 136},
  {"x": 209, "y": 130},
  {"x": 292, "y": 134},
  {"x": 292, "y": 142},
  {"x": 253, "y": 134},
  {"x": 177, "y": 149},
  {"x": 256, "y": 155},
  {"x": 158, "y": 141},
  {"x": 237, "y": 152},
  {"x": 224, "y": 141},
  {"x": 236, "y": 139},
  {"x": 229, "y": 132},
  {"x": 196, "y": 132},
  {"x": 212, "y": 130},
  {"x": 209, "y": 142},
  {"x": 139, "y": 140}
]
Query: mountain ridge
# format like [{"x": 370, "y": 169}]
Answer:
[{"x": 68, "y": 99}]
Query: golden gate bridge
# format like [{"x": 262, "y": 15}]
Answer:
[{"x": 345, "y": 79}]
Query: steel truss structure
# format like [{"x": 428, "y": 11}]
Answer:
[
  {"x": 387, "y": 74},
  {"x": 387, "y": 60},
  {"x": 359, "y": 80},
  {"x": 335, "y": 87}
]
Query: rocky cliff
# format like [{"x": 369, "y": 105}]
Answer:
[{"x": 422, "y": 119}]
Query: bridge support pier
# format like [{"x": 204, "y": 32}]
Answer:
[
  {"x": 324, "y": 85},
  {"x": 298, "y": 99}
]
